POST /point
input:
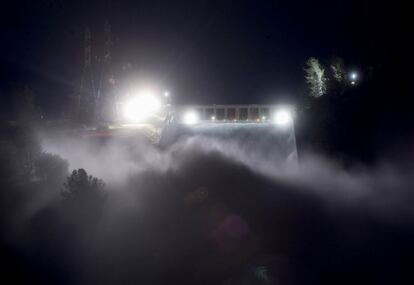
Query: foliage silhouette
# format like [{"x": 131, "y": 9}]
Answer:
[{"x": 84, "y": 193}]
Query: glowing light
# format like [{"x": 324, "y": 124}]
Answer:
[
  {"x": 282, "y": 117},
  {"x": 141, "y": 107},
  {"x": 354, "y": 76},
  {"x": 190, "y": 118}
]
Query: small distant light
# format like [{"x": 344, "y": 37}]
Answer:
[{"x": 354, "y": 76}]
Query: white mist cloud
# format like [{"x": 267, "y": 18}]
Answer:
[{"x": 385, "y": 189}]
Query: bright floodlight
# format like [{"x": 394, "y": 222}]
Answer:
[
  {"x": 141, "y": 107},
  {"x": 190, "y": 118},
  {"x": 282, "y": 117},
  {"x": 354, "y": 76}
]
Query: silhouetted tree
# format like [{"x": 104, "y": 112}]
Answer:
[
  {"x": 84, "y": 193},
  {"x": 338, "y": 69},
  {"x": 337, "y": 83}
]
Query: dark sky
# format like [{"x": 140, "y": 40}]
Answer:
[{"x": 204, "y": 51}]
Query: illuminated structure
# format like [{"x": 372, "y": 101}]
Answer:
[
  {"x": 148, "y": 112},
  {"x": 268, "y": 127},
  {"x": 193, "y": 114}
]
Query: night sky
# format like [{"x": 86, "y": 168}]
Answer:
[{"x": 204, "y": 51}]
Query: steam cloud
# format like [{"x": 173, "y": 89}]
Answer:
[
  {"x": 385, "y": 189},
  {"x": 212, "y": 211}
]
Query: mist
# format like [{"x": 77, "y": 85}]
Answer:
[
  {"x": 384, "y": 188},
  {"x": 206, "y": 210}
]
